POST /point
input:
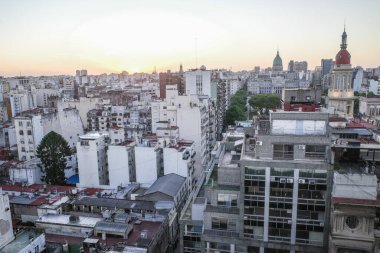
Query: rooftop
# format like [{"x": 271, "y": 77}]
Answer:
[
  {"x": 112, "y": 203},
  {"x": 21, "y": 241},
  {"x": 92, "y": 136},
  {"x": 107, "y": 226},
  {"x": 169, "y": 184},
  {"x": 64, "y": 219}
]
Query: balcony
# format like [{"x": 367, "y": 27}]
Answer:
[
  {"x": 221, "y": 233},
  {"x": 222, "y": 209}
]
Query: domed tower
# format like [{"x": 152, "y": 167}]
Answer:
[
  {"x": 277, "y": 63},
  {"x": 341, "y": 95}
]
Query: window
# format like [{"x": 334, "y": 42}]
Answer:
[
  {"x": 21, "y": 132},
  {"x": 220, "y": 223},
  {"x": 198, "y": 83},
  {"x": 29, "y": 132},
  {"x": 28, "y": 124},
  {"x": 84, "y": 143},
  {"x": 20, "y": 123},
  {"x": 352, "y": 222},
  {"x": 23, "y": 149},
  {"x": 315, "y": 151},
  {"x": 283, "y": 152},
  {"x": 229, "y": 200}
]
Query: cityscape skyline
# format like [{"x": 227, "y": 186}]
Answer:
[{"x": 139, "y": 36}]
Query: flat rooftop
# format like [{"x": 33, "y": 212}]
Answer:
[
  {"x": 63, "y": 219},
  {"x": 21, "y": 241},
  {"x": 134, "y": 238}
]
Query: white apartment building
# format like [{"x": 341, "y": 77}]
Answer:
[
  {"x": 29, "y": 133},
  {"x": 29, "y": 172},
  {"x": 149, "y": 161},
  {"x": 190, "y": 113},
  {"x": 198, "y": 82},
  {"x": 92, "y": 159},
  {"x": 6, "y": 227},
  {"x": 83, "y": 105},
  {"x": 179, "y": 159},
  {"x": 121, "y": 164},
  {"x": 43, "y": 94},
  {"x": 20, "y": 101},
  {"x": 32, "y": 127}
]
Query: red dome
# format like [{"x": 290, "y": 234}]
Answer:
[{"x": 343, "y": 57}]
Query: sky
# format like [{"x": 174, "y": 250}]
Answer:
[{"x": 48, "y": 37}]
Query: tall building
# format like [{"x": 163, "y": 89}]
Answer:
[
  {"x": 198, "y": 82},
  {"x": 170, "y": 78},
  {"x": 194, "y": 116},
  {"x": 327, "y": 65},
  {"x": 92, "y": 160},
  {"x": 269, "y": 193},
  {"x": 340, "y": 94}
]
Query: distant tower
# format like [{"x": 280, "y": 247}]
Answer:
[
  {"x": 180, "y": 69},
  {"x": 277, "y": 63},
  {"x": 341, "y": 95}
]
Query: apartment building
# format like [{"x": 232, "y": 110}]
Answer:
[
  {"x": 280, "y": 179},
  {"x": 92, "y": 159}
]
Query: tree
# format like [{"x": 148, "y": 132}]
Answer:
[
  {"x": 265, "y": 101},
  {"x": 234, "y": 113},
  {"x": 52, "y": 151},
  {"x": 237, "y": 108}
]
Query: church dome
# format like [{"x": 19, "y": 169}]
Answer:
[
  {"x": 277, "y": 62},
  {"x": 343, "y": 57}
]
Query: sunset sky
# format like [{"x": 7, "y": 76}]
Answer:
[{"x": 46, "y": 37}]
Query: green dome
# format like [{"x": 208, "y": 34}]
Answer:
[{"x": 277, "y": 60}]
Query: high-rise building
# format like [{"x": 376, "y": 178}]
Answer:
[
  {"x": 269, "y": 193},
  {"x": 326, "y": 65},
  {"x": 92, "y": 159},
  {"x": 170, "y": 78}
]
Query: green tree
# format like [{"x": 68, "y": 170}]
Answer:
[
  {"x": 233, "y": 114},
  {"x": 52, "y": 151},
  {"x": 265, "y": 101},
  {"x": 237, "y": 108}
]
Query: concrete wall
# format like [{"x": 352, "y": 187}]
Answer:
[
  {"x": 118, "y": 165},
  {"x": 5, "y": 220},
  {"x": 83, "y": 106},
  {"x": 146, "y": 165},
  {"x": 88, "y": 164}
]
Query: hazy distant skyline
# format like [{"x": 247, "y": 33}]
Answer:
[{"x": 47, "y": 37}]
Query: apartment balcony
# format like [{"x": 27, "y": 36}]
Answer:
[
  {"x": 220, "y": 233},
  {"x": 222, "y": 209}
]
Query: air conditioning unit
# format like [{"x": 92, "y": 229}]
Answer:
[
  {"x": 322, "y": 224},
  {"x": 259, "y": 143},
  {"x": 283, "y": 180},
  {"x": 301, "y": 181},
  {"x": 289, "y": 221},
  {"x": 301, "y": 147},
  {"x": 273, "y": 179},
  {"x": 289, "y": 180},
  {"x": 311, "y": 181}
]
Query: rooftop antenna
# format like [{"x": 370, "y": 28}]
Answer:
[{"x": 196, "y": 52}]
